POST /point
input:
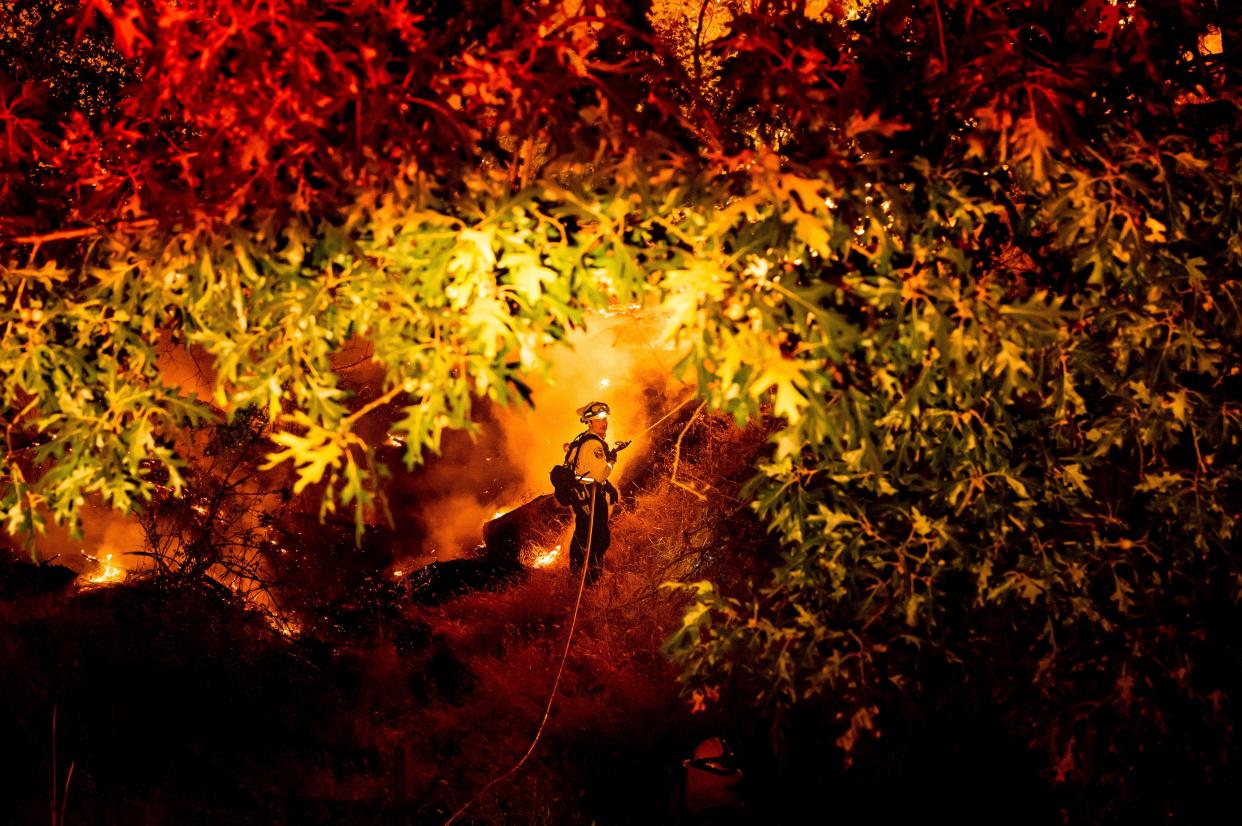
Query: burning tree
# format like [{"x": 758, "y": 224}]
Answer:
[{"x": 979, "y": 259}]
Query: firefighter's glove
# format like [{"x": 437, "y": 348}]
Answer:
[
  {"x": 611, "y": 453},
  {"x": 613, "y": 494}
]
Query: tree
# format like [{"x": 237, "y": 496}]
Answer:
[{"x": 979, "y": 258}]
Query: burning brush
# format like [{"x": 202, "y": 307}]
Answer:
[
  {"x": 108, "y": 572},
  {"x": 543, "y": 558}
]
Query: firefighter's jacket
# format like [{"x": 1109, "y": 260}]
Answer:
[{"x": 593, "y": 463}]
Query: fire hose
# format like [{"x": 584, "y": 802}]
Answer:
[
  {"x": 547, "y": 710},
  {"x": 573, "y": 625}
]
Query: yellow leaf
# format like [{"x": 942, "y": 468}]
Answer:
[
  {"x": 788, "y": 444},
  {"x": 1140, "y": 391},
  {"x": 810, "y": 191},
  {"x": 786, "y": 376},
  {"x": 1178, "y": 403},
  {"x": 1158, "y": 482},
  {"x": 702, "y": 280},
  {"x": 527, "y": 274},
  {"x": 1010, "y": 363},
  {"x": 1017, "y": 486},
  {"x": 1156, "y": 230},
  {"x": 312, "y": 453},
  {"x": 811, "y": 231},
  {"x": 831, "y": 519},
  {"x": 730, "y": 359},
  {"x": 488, "y": 322},
  {"x": 472, "y": 254},
  {"x": 1075, "y": 475}
]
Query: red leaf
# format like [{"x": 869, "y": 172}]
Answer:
[
  {"x": 20, "y": 137},
  {"x": 125, "y": 23}
]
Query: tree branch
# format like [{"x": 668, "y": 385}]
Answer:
[{"x": 80, "y": 232}]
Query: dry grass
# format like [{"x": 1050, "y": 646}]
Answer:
[
  {"x": 184, "y": 707},
  {"x": 620, "y": 726}
]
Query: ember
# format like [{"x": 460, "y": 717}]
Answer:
[{"x": 284, "y": 626}]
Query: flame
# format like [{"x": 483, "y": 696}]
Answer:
[
  {"x": 543, "y": 559},
  {"x": 500, "y": 513},
  {"x": 108, "y": 573}
]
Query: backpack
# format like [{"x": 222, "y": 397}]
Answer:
[{"x": 564, "y": 480}]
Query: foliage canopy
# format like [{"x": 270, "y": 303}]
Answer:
[{"x": 980, "y": 257}]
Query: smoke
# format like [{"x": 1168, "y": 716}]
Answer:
[
  {"x": 188, "y": 370},
  {"x": 618, "y": 358},
  {"x": 109, "y": 538},
  {"x": 439, "y": 509}
]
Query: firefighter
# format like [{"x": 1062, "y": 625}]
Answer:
[{"x": 592, "y": 467}]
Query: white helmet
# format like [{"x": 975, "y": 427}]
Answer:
[{"x": 594, "y": 410}]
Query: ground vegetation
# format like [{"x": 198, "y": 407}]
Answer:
[{"x": 978, "y": 259}]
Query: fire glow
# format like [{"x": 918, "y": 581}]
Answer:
[
  {"x": 108, "y": 572},
  {"x": 617, "y": 356},
  {"x": 542, "y": 559},
  {"x": 283, "y": 625}
]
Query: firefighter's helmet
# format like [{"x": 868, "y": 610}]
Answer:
[{"x": 594, "y": 410}]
